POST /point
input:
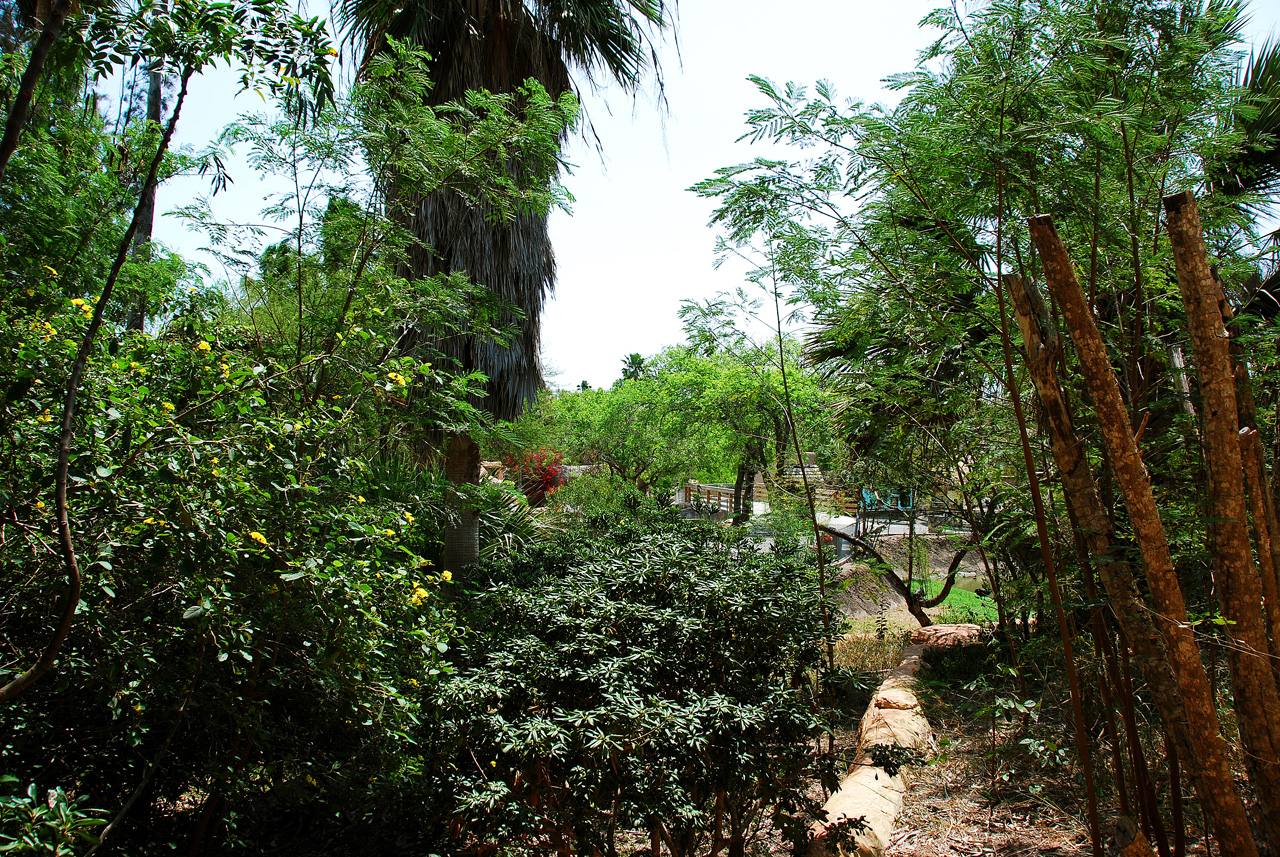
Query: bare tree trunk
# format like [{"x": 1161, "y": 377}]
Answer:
[
  {"x": 147, "y": 203},
  {"x": 937, "y": 600},
  {"x": 462, "y": 532},
  {"x": 1050, "y": 571},
  {"x": 914, "y": 606},
  {"x": 1166, "y": 652},
  {"x": 1236, "y": 580},
  {"x": 27, "y": 85},
  {"x": 736, "y": 508},
  {"x": 1267, "y": 529}
]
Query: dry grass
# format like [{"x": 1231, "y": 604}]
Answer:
[{"x": 868, "y": 653}]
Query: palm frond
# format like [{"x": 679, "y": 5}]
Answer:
[{"x": 1255, "y": 168}]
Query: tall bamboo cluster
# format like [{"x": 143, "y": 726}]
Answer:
[{"x": 1143, "y": 618}]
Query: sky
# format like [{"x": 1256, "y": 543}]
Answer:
[{"x": 637, "y": 243}]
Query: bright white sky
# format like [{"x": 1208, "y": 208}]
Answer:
[{"x": 637, "y": 243}]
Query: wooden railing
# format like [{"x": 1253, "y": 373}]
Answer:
[
  {"x": 716, "y": 496},
  {"x": 721, "y": 497}
]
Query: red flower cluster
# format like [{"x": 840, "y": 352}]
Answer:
[{"x": 537, "y": 473}]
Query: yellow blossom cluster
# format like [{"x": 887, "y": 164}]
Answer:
[
  {"x": 419, "y": 595},
  {"x": 45, "y": 330},
  {"x": 397, "y": 378},
  {"x": 258, "y": 537}
]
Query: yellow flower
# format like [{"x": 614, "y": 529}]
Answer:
[
  {"x": 270, "y": 447},
  {"x": 40, "y": 505},
  {"x": 77, "y": 302},
  {"x": 419, "y": 595},
  {"x": 359, "y": 499},
  {"x": 204, "y": 346},
  {"x": 168, "y": 406},
  {"x": 446, "y": 575},
  {"x": 258, "y": 537},
  {"x": 424, "y": 563},
  {"x": 31, "y": 292},
  {"x": 408, "y": 517},
  {"x": 46, "y": 417},
  {"x": 389, "y": 533}
]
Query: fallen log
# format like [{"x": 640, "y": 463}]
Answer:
[{"x": 873, "y": 791}]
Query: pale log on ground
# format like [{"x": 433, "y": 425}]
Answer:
[{"x": 892, "y": 718}]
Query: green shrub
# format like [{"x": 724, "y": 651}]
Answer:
[
  {"x": 649, "y": 669},
  {"x": 959, "y": 665}
]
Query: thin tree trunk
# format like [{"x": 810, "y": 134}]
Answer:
[
  {"x": 1109, "y": 682},
  {"x": 1268, "y": 531},
  {"x": 462, "y": 532},
  {"x": 737, "y": 490},
  {"x": 1175, "y": 802},
  {"x": 1046, "y": 554},
  {"x": 954, "y": 567},
  {"x": 147, "y": 203},
  {"x": 1239, "y": 588},
  {"x": 27, "y": 85},
  {"x": 66, "y": 544},
  {"x": 794, "y": 430},
  {"x": 913, "y": 605},
  {"x": 1166, "y": 652}
]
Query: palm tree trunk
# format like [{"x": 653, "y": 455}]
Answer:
[
  {"x": 1185, "y": 700},
  {"x": 462, "y": 532}
]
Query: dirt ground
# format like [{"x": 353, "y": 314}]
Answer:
[{"x": 947, "y": 812}]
